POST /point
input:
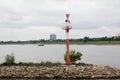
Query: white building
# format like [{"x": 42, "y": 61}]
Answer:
[{"x": 52, "y": 37}]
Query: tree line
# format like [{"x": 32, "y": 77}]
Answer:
[{"x": 85, "y": 39}]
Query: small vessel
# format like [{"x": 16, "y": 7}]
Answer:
[{"x": 40, "y": 44}]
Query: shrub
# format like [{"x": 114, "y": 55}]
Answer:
[
  {"x": 74, "y": 56},
  {"x": 9, "y": 59}
]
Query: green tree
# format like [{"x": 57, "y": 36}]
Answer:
[{"x": 74, "y": 56}]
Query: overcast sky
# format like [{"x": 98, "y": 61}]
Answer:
[{"x": 37, "y": 19}]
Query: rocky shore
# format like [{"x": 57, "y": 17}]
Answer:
[{"x": 60, "y": 71}]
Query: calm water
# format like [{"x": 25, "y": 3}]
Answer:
[{"x": 95, "y": 54}]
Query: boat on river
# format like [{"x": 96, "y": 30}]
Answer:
[{"x": 40, "y": 44}]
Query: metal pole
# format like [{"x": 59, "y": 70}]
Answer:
[{"x": 68, "y": 62}]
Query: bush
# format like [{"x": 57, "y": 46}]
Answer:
[
  {"x": 9, "y": 59},
  {"x": 74, "y": 56}
]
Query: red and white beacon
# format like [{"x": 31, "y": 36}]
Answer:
[{"x": 67, "y": 29}]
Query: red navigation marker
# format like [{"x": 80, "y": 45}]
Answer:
[{"x": 67, "y": 28}]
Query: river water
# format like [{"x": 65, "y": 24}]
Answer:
[{"x": 93, "y": 54}]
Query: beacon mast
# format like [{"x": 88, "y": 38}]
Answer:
[{"x": 67, "y": 28}]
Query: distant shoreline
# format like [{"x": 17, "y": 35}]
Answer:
[{"x": 71, "y": 43}]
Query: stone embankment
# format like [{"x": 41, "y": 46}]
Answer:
[{"x": 61, "y": 71}]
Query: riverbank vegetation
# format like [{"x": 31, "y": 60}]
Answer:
[
  {"x": 10, "y": 61},
  {"x": 74, "y": 56},
  {"x": 42, "y": 63},
  {"x": 86, "y": 40}
]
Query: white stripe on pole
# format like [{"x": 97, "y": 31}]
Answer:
[{"x": 67, "y": 35}]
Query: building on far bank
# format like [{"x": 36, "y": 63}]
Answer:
[{"x": 52, "y": 37}]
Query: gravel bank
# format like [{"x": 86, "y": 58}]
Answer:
[{"x": 61, "y": 71}]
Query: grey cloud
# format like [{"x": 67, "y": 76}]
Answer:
[
  {"x": 98, "y": 15},
  {"x": 8, "y": 15},
  {"x": 32, "y": 15},
  {"x": 85, "y": 14}
]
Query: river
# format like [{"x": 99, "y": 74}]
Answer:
[{"x": 93, "y": 54}]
